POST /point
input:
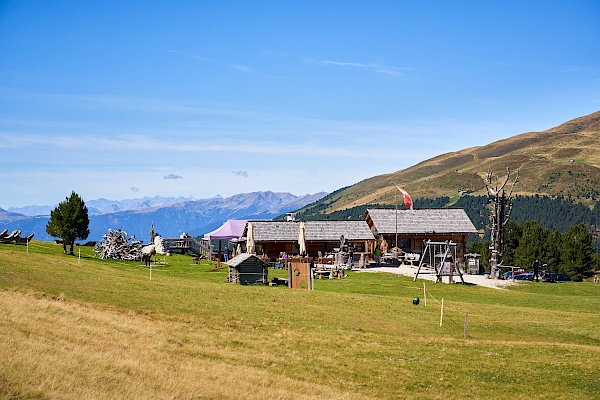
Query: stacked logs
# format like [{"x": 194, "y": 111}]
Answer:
[{"x": 116, "y": 245}]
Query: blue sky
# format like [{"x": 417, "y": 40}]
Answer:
[{"x": 125, "y": 99}]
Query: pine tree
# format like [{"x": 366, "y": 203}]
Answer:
[
  {"x": 69, "y": 221},
  {"x": 530, "y": 244},
  {"x": 577, "y": 252},
  {"x": 551, "y": 250},
  {"x": 512, "y": 236}
]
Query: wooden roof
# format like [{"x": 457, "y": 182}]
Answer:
[
  {"x": 332, "y": 230},
  {"x": 326, "y": 231},
  {"x": 268, "y": 231},
  {"x": 426, "y": 221},
  {"x": 240, "y": 258}
]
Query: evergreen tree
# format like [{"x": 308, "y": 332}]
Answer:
[
  {"x": 69, "y": 221},
  {"x": 551, "y": 250},
  {"x": 530, "y": 244},
  {"x": 512, "y": 236},
  {"x": 577, "y": 252}
]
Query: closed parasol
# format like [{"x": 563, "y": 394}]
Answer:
[
  {"x": 250, "y": 239},
  {"x": 302, "y": 239},
  {"x": 384, "y": 245}
]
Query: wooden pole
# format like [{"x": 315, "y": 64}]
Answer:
[
  {"x": 396, "y": 202},
  {"x": 442, "y": 312},
  {"x": 78, "y": 256}
]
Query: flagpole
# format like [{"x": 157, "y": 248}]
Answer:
[{"x": 396, "y": 201}]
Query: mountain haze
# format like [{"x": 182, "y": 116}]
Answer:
[
  {"x": 564, "y": 160},
  {"x": 194, "y": 217},
  {"x": 105, "y": 206}
]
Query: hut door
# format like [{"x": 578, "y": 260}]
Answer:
[{"x": 300, "y": 276}]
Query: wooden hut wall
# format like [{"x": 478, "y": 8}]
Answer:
[
  {"x": 250, "y": 271},
  {"x": 313, "y": 248},
  {"x": 413, "y": 227},
  {"x": 416, "y": 243},
  {"x": 274, "y": 237},
  {"x": 273, "y": 249}
]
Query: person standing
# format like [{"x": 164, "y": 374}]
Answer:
[
  {"x": 536, "y": 269},
  {"x": 377, "y": 256},
  {"x": 284, "y": 257},
  {"x": 226, "y": 254}
]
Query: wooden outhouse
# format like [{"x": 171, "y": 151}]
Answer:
[{"x": 248, "y": 269}]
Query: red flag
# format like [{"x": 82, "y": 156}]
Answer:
[{"x": 407, "y": 200}]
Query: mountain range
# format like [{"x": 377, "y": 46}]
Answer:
[
  {"x": 170, "y": 216},
  {"x": 105, "y": 206},
  {"x": 561, "y": 161}
]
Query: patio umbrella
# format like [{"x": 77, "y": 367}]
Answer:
[
  {"x": 302, "y": 239},
  {"x": 250, "y": 239},
  {"x": 384, "y": 245}
]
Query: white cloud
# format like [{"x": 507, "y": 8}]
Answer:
[
  {"x": 173, "y": 176},
  {"x": 379, "y": 68},
  {"x": 237, "y": 67}
]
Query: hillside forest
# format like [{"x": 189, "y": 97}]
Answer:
[{"x": 557, "y": 231}]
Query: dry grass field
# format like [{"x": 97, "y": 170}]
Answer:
[{"x": 94, "y": 329}]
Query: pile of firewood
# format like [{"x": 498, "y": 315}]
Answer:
[{"x": 116, "y": 245}]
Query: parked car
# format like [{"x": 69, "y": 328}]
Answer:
[
  {"x": 508, "y": 274},
  {"x": 527, "y": 276},
  {"x": 554, "y": 277}
]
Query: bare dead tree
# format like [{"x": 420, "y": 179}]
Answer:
[{"x": 501, "y": 208}]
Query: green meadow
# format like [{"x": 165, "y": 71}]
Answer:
[{"x": 84, "y": 328}]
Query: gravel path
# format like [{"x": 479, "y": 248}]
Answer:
[{"x": 478, "y": 280}]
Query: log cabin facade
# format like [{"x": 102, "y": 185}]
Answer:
[
  {"x": 410, "y": 228},
  {"x": 273, "y": 237}
]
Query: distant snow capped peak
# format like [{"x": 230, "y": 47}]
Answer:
[{"x": 177, "y": 215}]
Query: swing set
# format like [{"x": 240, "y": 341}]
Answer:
[{"x": 439, "y": 258}]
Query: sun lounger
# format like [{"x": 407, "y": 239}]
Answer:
[
  {"x": 3, "y": 233},
  {"x": 25, "y": 240},
  {"x": 14, "y": 234},
  {"x": 13, "y": 237}
]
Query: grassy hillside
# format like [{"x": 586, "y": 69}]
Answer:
[
  {"x": 559, "y": 161},
  {"x": 103, "y": 329}
]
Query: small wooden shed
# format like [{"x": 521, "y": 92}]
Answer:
[
  {"x": 248, "y": 269},
  {"x": 472, "y": 263}
]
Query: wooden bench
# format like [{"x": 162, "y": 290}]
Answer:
[{"x": 196, "y": 260}]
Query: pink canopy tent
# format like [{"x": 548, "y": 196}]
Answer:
[{"x": 232, "y": 229}]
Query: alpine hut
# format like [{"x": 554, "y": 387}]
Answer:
[
  {"x": 408, "y": 229},
  {"x": 274, "y": 237}
]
